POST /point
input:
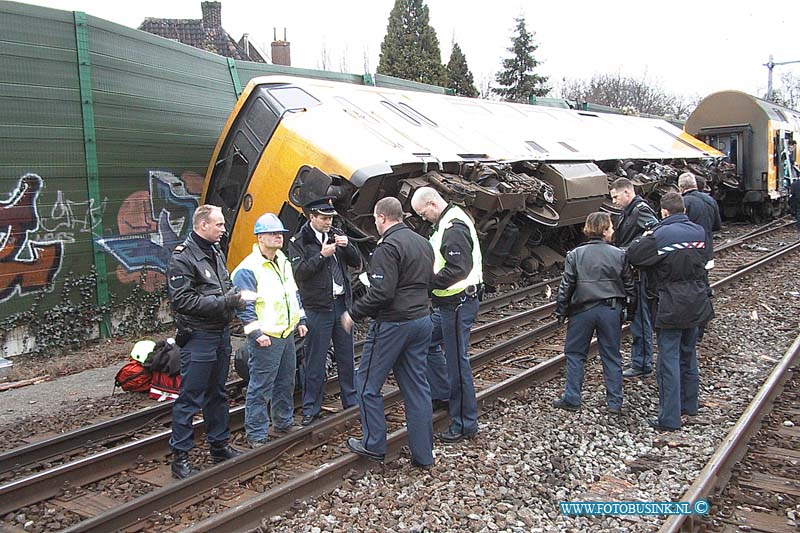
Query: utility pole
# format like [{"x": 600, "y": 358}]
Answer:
[{"x": 771, "y": 65}]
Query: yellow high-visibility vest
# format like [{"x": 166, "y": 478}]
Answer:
[
  {"x": 476, "y": 274},
  {"x": 277, "y": 307}
]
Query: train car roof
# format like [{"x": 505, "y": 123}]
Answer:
[
  {"x": 364, "y": 126},
  {"x": 730, "y": 108}
]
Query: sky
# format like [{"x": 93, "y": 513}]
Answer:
[{"x": 690, "y": 48}]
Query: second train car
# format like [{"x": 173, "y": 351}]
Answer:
[
  {"x": 528, "y": 175},
  {"x": 760, "y": 139}
]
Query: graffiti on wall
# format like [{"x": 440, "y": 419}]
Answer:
[
  {"x": 68, "y": 218},
  {"x": 27, "y": 264},
  {"x": 151, "y": 223}
]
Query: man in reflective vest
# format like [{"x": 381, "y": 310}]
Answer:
[
  {"x": 458, "y": 278},
  {"x": 272, "y": 314}
]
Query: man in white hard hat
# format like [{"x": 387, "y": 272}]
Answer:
[{"x": 271, "y": 316}]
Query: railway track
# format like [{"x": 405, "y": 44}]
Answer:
[
  {"x": 144, "y": 452},
  {"x": 751, "y": 481}
]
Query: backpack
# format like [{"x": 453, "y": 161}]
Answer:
[
  {"x": 133, "y": 377},
  {"x": 164, "y": 387},
  {"x": 166, "y": 357}
]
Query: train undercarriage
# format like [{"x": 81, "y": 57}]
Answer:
[{"x": 528, "y": 214}]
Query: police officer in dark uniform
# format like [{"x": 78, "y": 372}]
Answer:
[
  {"x": 675, "y": 250},
  {"x": 457, "y": 281},
  {"x": 794, "y": 201},
  {"x": 701, "y": 209},
  {"x": 320, "y": 255},
  {"x": 597, "y": 286},
  {"x": 636, "y": 217},
  {"x": 400, "y": 273},
  {"x": 203, "y": 300}
]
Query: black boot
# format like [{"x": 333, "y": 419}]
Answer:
[
  {"x": 181, "y": 466},
  {"x": 224, "y": 452}
]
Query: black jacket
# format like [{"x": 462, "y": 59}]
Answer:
[
  {"x": 456, "y": 249},
  {"x": 593, "y": 272},
  {"x": 400, "y": 273},
  {"x": 794, "y": 200},
  {"x": 312, "y": 271},
  {"x": 635, "y": 219},
  {"x": 196, "y": 286},
  {"x": 703, "y": 210},
  {"x": 675, "y": 250}
]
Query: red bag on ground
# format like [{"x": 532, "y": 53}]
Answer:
[
  {"x": 164, "y": 387},
  {"x": 133, "y": 377}
]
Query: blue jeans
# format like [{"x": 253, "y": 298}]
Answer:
[
  {"x": 606, "y": 321},
  {"x": 642, "y": 330},
  {"x": 677, "y": 375},
  {"x": 449, "y": 372},
  {"x": 324, "y": 326},
  {"x": 271, "y": 382},
  {"x": 205, "y": 360},
  {"x": 400, "y": 347}
]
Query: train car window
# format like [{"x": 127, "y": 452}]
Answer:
[
  {"x": 588, "y": 115},
  {"x": 400, "y": 112},
  {"x": 293, "y": 98},
  {"x": 568, "y": 147},
  {"x": 231, "y": 188},
  {"x": 536, "y": 146},
  {"x": 780, "y": 114},
  {"x": 260, "y": 119},
  {"x": 417, "y": 114},
  {"x": 240, "y": 152},
  {"x": 354, "y": 109}
]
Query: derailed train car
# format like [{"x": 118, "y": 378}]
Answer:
[
  {"x": 756, "y": 137},
  {"x": 528, "y": 175}
]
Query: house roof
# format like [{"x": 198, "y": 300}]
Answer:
[{"x": 206, "y": 33}]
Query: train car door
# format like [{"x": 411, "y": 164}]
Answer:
[{"x": 734, "y": 142}]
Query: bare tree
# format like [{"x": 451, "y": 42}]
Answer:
[
  {"x": 639, "y": 95},
  {"x": 324, "y": 61},
  {"x": 367, "y": 68},
  {"x": 788, "y": 94},
  {"x": 344, "y": 60},
  {"x": 484, "y": 84}
]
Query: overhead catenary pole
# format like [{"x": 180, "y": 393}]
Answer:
[{"x": 771, "y": 65}]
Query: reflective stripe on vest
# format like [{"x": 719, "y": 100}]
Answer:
[
  {"x": 277, "y": 307},
  {"x": 476, "y": 274}
]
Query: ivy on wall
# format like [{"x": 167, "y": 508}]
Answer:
[{"x": 73, "y": 322}]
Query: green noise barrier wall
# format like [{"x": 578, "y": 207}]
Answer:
[{"x": 105, "y": 136}]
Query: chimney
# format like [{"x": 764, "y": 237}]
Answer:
[
  {"x": 246, "y": 42},
  {"x": 281, "y": 54},
  {"x": 212, "y": 14}
]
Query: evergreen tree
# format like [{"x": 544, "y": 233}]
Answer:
[
  {"x": 459, "y": 77},
  {"x": 410, "y": 49},
  {"x": 518, "y": 80}
]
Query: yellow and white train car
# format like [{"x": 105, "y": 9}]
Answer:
[
  {"x": 528, "y": 174},
  {"x": 756, "y": 136}
]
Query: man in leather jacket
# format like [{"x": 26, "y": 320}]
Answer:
[
  {"x": 320, "y": 256},
  {"x": 637, "y": 216},
  {"x": 595, "y": 290},
  {"x": 203, "y": 300},
  {"x": 400, "y": 273}
]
